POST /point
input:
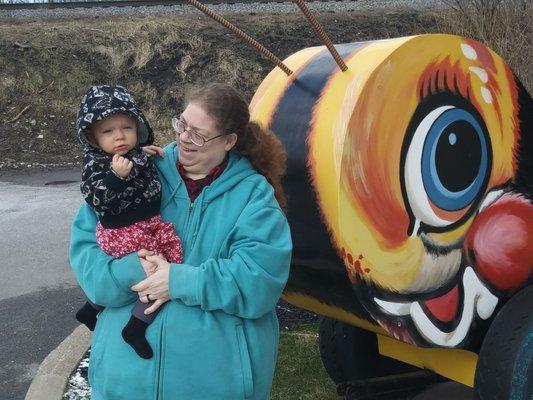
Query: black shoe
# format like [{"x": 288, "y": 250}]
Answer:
[
  {"x": 87, "y": 315},
  {"x": 134, "y": 334}
]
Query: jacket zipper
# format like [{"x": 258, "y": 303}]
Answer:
[
  {"x": 159, "y": 391},
  {"x": 159, "y": 368},
  {"x": 193, "y": 220},
  {"x": 161, "y": 334},
  {"x": 188, "y": 225}
]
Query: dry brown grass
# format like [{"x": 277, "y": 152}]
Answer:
[
  {"x": 49, "y": 65},
  {"x": 505, "y": 25}
]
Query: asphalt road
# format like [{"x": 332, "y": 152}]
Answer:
[{"x": 39, "y": 292}]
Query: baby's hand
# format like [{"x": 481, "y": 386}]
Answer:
[
  {"x": 148, "y": 267},
  {"x": 153, "y": 150},
  {"x": 121, "y": 165}
]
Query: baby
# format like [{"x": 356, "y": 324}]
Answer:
[{"x": 120, "y": 183}]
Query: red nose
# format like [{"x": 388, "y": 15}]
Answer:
[{"x": 500, "y": 242}]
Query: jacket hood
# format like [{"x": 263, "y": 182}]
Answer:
[
  {"x": 238, "y": 169},
  {"x": 103, "y": 101}
]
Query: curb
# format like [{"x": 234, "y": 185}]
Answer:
[{"x": 53, "y": 373}]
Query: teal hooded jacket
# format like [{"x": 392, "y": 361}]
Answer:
[{"x": 217, "y": 337}]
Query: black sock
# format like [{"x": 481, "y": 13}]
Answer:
[
  {"x": 87, "y": 315},
  {"x": 134, "y": 334}
]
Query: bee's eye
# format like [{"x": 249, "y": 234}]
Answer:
[{"x": 446, "y": 165}]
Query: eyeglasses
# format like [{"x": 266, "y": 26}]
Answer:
[{"x": 197, "y": 138}]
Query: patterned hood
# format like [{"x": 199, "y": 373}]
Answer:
[{"x": 103, "y": 101}]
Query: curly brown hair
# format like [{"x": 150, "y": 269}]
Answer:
[{"x": 261, "y": 146}]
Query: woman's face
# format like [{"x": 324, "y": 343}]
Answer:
[{"x": 198, "y": 161}]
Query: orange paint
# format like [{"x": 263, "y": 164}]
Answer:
[
  {"x": 350, "y": 259},
  {"x": 357, "y": 266},
  {"x": 342, "y": 253},
  {"x": 369, "y": 182},
  {"x": 450, "y": 216},
  {"x": 516, "y": 125},
  {"x": 443, "y": 76},
  {"x": 483, "y": 55}
]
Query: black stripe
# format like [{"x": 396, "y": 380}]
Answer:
[
  {"x": 292, "y": 118},
  {"x": 323, "y": 275}
]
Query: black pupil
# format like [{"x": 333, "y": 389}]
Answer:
[{"x": 458, "y": 156}]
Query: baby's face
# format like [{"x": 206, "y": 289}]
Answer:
[{"x": 116, "y": 134}]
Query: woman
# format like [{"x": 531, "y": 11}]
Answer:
[{"x": 217, "y": 335}]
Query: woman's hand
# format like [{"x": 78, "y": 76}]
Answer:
[{"x": 155, "y": 285}]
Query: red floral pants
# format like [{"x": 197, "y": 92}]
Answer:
[{"x": 153, "y": 234}]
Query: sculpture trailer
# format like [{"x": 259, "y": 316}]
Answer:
[{"x": 410, "y": 183}]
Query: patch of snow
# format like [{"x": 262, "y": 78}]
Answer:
[{"x": 78, "y": 386}]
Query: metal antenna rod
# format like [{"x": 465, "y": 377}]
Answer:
[
  {"x": 322, "y": 34},
  {"x": 241, "y": 34}
]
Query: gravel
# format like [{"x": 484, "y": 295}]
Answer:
[
  {"x": 244, "y": 8},
  {"x": 290, "y": 316}
]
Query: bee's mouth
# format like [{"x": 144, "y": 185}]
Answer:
[{"x": 457, "y": 308}]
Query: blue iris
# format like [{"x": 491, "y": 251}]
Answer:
[{"x": 455, "y": 160}]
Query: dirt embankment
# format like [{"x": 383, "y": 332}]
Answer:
[{"x": 46, "y": 66}]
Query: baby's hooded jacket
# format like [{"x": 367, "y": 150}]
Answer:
[{"x": 118, "y": 202}]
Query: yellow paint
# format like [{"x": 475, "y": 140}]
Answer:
[
  {"x": 329, "y": 128},
  {"x": 327, "y": 141},
  {"x": 452, "y": 236},
  {"x": 349, "y": 227},
  {"x": 459, "y": 365},
  {"x": 392, "y": 269},
  {"x": 309, "y": 303},
  {"x": 323, "y": 142}
]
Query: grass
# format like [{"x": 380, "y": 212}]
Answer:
[{"x": 300, "y": 374}]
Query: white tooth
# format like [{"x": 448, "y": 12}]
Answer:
[
  {"x": 393, "y": 307},
  {"x": 490, "y": 198},
  {"x": 475, "y": 295},
  {"x": 486, "y": 302},
  {"x": 416, "y": 228}
]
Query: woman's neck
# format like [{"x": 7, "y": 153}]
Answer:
[{"x": 194, "y": 175}]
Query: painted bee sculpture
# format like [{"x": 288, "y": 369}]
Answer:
[{"x": 410, "y": 183}]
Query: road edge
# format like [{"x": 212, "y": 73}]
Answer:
[{"x": 52, "y": 376}]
